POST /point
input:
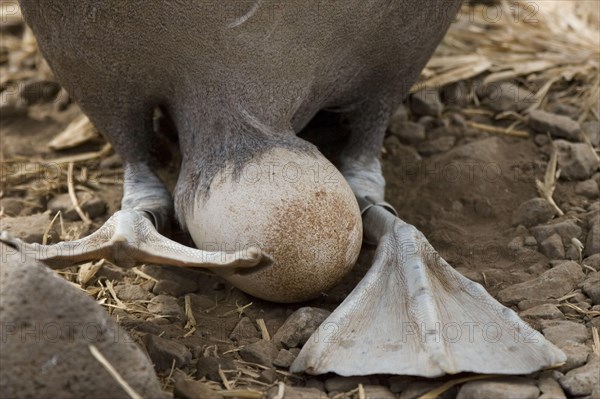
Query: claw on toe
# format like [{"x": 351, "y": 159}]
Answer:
[{"x": 128, "y": 238}]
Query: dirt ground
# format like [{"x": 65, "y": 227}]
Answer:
[{"x": 460, "y": 184}]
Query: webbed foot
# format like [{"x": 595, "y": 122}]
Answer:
[
  {"x": 413, "y": 314},
  {"x": 129, "y": 237}
]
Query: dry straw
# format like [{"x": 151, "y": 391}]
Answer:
[{"x": 541, "y": 43}]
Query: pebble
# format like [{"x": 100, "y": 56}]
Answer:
[
  {"x": 583, "y": 380},
  {"x": 30, "y": 228},
  {"x": 262, "y": 352},
  {"x": 131, "y": 292},
  {"x": 541, "y": 140},
  {"x": 553, "y": 283},
  {"x": 552, "y": 247},
  {"x": 577, "y": 355},
  {"x": 588, "y": 188},
  {"x": 209, "y": 367},
  {"x": 12, "y": 106},
  {"x": 410, "y": 132},
  {"x": 344, "y": 384},
  {"x": 298, "y": 328},
  {"x": 506, "y": 96},
  {"x": 577, "y": 161},
  {"x": 12, "y": 206},
  {"x": 269, "y": 376},
  {"x": 558, "y": 126},
  {"x": 593, "y": 261},
  {"x": 530, "y": 241},
  {"x": 562, "y": 332},
  {"x": 426, "y": 102},
  {"x": 533, "y": 212},
  {"x": 429, "y": 122},
  {"x": 566, "y": 229},
  {"x": 89, "y": 204},
  {"x": 284, "y": 358},
  {"x": 502, "y": 388},
  {"x": 592, "y": 131},
  {"x": 591, "y": 287},
  {"x": 36, "y": 91},
  {"x": 400, "y": 114},
  {"x": 190, "y": 389},
  {"x": 163, "y": 351},
  {"x": 592, "y": 244},
  {"x": 244, "y": 329},
  {"x": 549, "y": 387},
  {"x": 545, "y": 311},
  {"x": 185, "y": 279},
  {"x": 164, "y": 305},
  {"x": 437, "y": 145}
]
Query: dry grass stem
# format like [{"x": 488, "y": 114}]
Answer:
[{"x": 114, "y": 373}]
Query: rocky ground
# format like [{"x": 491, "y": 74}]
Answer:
[{"x": 485, "y": 194}]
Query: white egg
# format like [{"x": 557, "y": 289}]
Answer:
[{"x": 297, "y": 208}]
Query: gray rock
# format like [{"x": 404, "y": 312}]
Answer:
[
  {"x": 164, "y": 351},
  {"x": 577, "y": 355},
  {"x": 591, "y": 287},
  {"x": 566, "y": 229},
  {"x": 12, "y": 106},
  {"x": 209, "y": 367},
  {"x": 89, "y": 204},
  {"x": 131, "y": 292},
  {"x": 562, "y": 332},
  {"x": 504, "y": 388},
  {"x": 344, "y": 384},
  {"x": 553, "y": 283},
  {"x": 190, "y": 389},
  {"x": 592, "y": 131},
  {"x": 298, "y": 328},
  {"x": 530, "y": 241},
  {"x": 408, "y": 131},
  {"x": 426, "y": 102},
  {"x": 436, "y": 146},
  {"x": 269, "y": 376},
  {"x": 36, "y": 91},
  {"x": 284, "y": 358},
  {"x": 583, "y": 380},
  {"x": 163, "y": 305},
  {"x": 550, "y": 387},
  {"x": 185, "y": 278},
  {"x": 244, "y": 329},
  {"x": 545, "y": 311},
  {"x": 593, "y": 261},
  {"x": 30, "y": 228},
  {"x": 48, "y": 327},
  {"x": 588, "y": 188},
  {"x": 262, "y": 352},
  {"x": 170, "y": 287},
  {"x": 577, "y": 161},
  {"x": 592, "y": 243},
  {"x": 558, "y": 126},
  {"x": 533, "y": 212},
  {"x": 552, "y": 247},
  {"x": 506, "y": 96}
]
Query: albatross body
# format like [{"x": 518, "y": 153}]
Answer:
[{"x": 265, "y": 208}]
